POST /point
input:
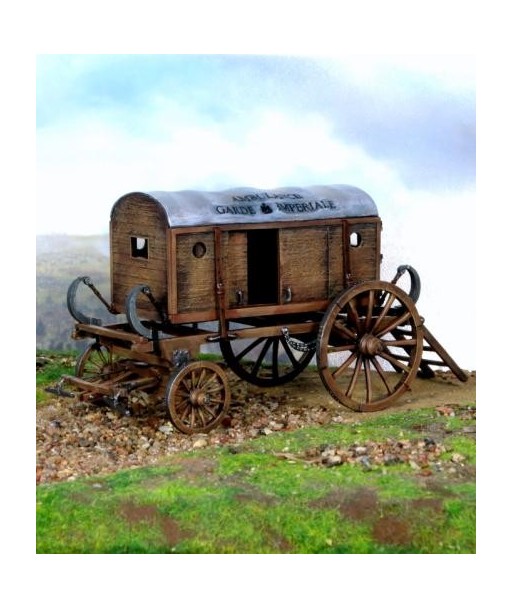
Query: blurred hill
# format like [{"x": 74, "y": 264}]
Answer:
[{"x": 59, "y": 260}]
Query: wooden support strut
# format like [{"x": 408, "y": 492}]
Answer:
[
  {"x": 444, "y": 356},
  {"x": 220, "y": 291}
]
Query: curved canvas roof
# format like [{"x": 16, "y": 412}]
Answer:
[{"x": 253, "y": 205}]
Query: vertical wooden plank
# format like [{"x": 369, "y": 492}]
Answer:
[
  {"x": 335, "y": 260},
  {"x": 363, "y": 245},
  {"x": 303, "y": 264},
  {"x": 195, "y": 272},
  {"x": 172, "y": 279},
  {"x": 235, "y": 265}
]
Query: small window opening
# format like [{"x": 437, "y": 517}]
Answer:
[
  {"x": 199, "y": 249},
  {"x": 139, "y": 246},
  {"x": 355, "y": 239}
]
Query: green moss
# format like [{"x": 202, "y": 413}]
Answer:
[{"x": 256, "y": 500}]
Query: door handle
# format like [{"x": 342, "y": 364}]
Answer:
[{"x": 288, "y": 295}]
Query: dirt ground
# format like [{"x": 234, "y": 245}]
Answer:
[
  {"x": 442, "y": 390},
  {"x": 77, "y": 439}
]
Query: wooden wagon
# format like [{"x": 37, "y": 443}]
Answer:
[{"x": 273, "y": 278}]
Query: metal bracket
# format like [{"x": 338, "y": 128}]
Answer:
[{"x": 180, "y": 358}]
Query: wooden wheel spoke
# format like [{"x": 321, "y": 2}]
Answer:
[
  {"x": 381, "y": 374},
  {"x": 199, "y": 410},
  {"x": 344, "y": 365},
  {"x": 212, "y": 381},
  {"x": 260, "y": 359},
  {"x": 343, "y": 330},
  {"x": 213, "y": 390},
  {"x": 353, "y": 314},
  {"x": 394, "y": 361},
  {"x": 183, "y": 394},
  {"x": 184, "y": 407},
  {"x": 354, "y": 378},
  {"x": 209, "y": 411},
  {"x": 400, "y": 342},
  {"x": 340, "y": 349},
  {"x": 192, "y": 418},
  {"x": 249, "y": 348},
  {"x": 288, "y": 351},
  {"x": 386, "y": 307},
  {"x": 370, "y": 310},
  {"x": 193, "y": 379},
  {"x": 276, "y": 344},
  {"x": 201, "y": 378},
  {"x": 393, "y": 324},
  {"x": 368, "y": 380}
]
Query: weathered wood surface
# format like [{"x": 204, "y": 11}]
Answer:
[
  {"x": 138, "y": 218},
  {"x": 307, "y": 265}
]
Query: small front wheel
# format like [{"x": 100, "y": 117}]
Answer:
[
  {"x": 198, "y": 397},
  {"x": 99, "y": 364}
]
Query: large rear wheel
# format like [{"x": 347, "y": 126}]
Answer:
[
  {"x": 267, "y": 361},
  {"x": 369, "y": 345}
]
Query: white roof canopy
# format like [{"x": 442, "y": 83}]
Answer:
[{"x": 252, "y": 205}]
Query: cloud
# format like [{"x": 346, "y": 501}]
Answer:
[
  {"x": 416, "y": 113},
  {"x": 81, "y": 164}
]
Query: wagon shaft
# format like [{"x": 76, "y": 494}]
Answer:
[{"x": 120, "y": 389}]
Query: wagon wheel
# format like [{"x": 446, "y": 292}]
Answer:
[
  {"x": 99, "y": 364},
  {"x": 266, "y": 361},
  {"x": 198, "y": 397},
  {"x": 369, "y": 345}
]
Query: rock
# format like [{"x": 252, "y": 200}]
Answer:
[
  {"x": 200, "y": 443},
  {"x": 332, "y": 460},
  {"x": 457, "y": 458},
  {"x": 389, "y": 459},
  {"x": 365, "y": 463}
]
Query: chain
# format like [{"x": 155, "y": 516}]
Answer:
[{"x": 296, "y": 344}]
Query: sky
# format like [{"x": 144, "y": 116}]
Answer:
[{"x": 400, "y": 127}]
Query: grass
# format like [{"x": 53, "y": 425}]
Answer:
[
  {"x": 51, "y": 372},
  {"x": 251, "y": 500}
]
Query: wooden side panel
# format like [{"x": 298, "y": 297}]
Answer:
[
  {"x": 235, "y": 267},
  {"x": 304, "y": 264},
  {"x": 335, "y": 260},
  {"x": 138, "y": 251},
  {"x": 195, "y": 272},
  {"x": 364, "y": 249}
]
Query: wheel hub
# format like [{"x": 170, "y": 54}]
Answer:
[
  {"x": 370, "y": 345},
  {"x": 199, "y": 398}
]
